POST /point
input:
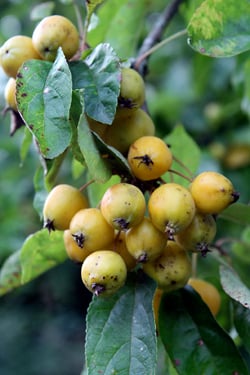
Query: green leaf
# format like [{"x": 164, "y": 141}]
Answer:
[
  {"x": 234, "y": 287},
  {"x": 242, "y": 323},
  {"x": 44, "y": 94},
  {"x": 40, "y": 11},
  {"x": 99, "y": 78},
  {"x": 40, "y": 191},
  {"x": 117, "y": 162},
  {"x": 220, "y": 28},
  {"x": 193, "y": 339},
  {"x": 26, "y": 143},
  {"x": 10, "y": 273},
  {"x": 164, "y": 364},
  {"x": 97, "y": 166},
  {"x": 40, "y": 252},
  {"x": 120, "y": 336},
  {"x": 91, "y": 5},
  {"x": 184, "y": 148},
  {"x": 241, "y": 248},
  {"x": 75, "y": 113},
  {"x": 238, "y": 213},
  {"x": 120, "y": 23},
  {"x": 245, "y": 104}
]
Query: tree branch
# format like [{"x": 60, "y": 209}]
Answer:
[{"x": 155, "y": 34}]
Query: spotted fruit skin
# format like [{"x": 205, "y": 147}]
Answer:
[
  {"x": 14, "y": 52},
  {"x": 123, "y": 205},
  {"x": 103, "y": 272},
  {"x": 172, "y": 269},
  {"x": 199, "y": 234},
  {"x": 90, "y": 230},
  {"x": 145, "y": 242},
  {"x": 212, "y": 192},
  {"x": 53, "y": 32},
  {"x": 171, "y": 208},
  {"x": 61, "y": 204}
]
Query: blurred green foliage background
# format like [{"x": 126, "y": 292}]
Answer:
[{"x": 42, "y": 324}]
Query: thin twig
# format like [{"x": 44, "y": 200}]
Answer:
[
  {"x": 183, "y": 166},
  {"x": 140, "y": 59},
  {"x": 82, "y": 28},
  {"x": 173, "y": 171},
  {"x": 83, "y": 187},
  {"x": 155, "y": 35}
]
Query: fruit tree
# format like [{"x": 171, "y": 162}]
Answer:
[{"x": 127, "y": 126}]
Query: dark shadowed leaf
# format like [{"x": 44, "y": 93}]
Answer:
[
  {"x": 242, "y": 323},
  {"x": 220, "y": 28},
  {"x": 116, "y": 161},
  {"x": 120, "y": 336},
  {"x": 193, "y": 339}
]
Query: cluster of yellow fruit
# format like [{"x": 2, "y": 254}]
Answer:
[
  {"x": 51, "y": 33},
  {"x": 127, "y": 231}
]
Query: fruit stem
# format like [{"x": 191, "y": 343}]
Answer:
[
  {"x": 158, "y": 46},
  {"x": 83, "y": 187},
  {"x": 183, "y": 166},
  {"x": 180, "y": 174}
]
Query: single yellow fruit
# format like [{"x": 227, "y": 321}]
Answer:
[
  {"x": 54, "y": 32},
  {"x": 61, "y": 204},
  {"x": 145, "y": 242},
  {"x": 123, "y": 205},
  {"x": 171, "y": 208},
  {"x": 74, "y": 252},
  {"x": 132, "y": 90},
  {"x": 14, "y": 52},
  {"x": 208, "y": 292},
  {"x": 10, "y": 94},
  {"x": 103, "y": 272},
  {"x": 149, "y": 157},
  {"x": 237, "y": 156},
  {"x": 172, "y": 269},
  {"x": 212, "y": 192},
  {"x": 120, "y": 247},
  {"x": 90, "y": 230},
  {"x": 124, "y": 131},
  {"x": 198, "y": 235}
]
